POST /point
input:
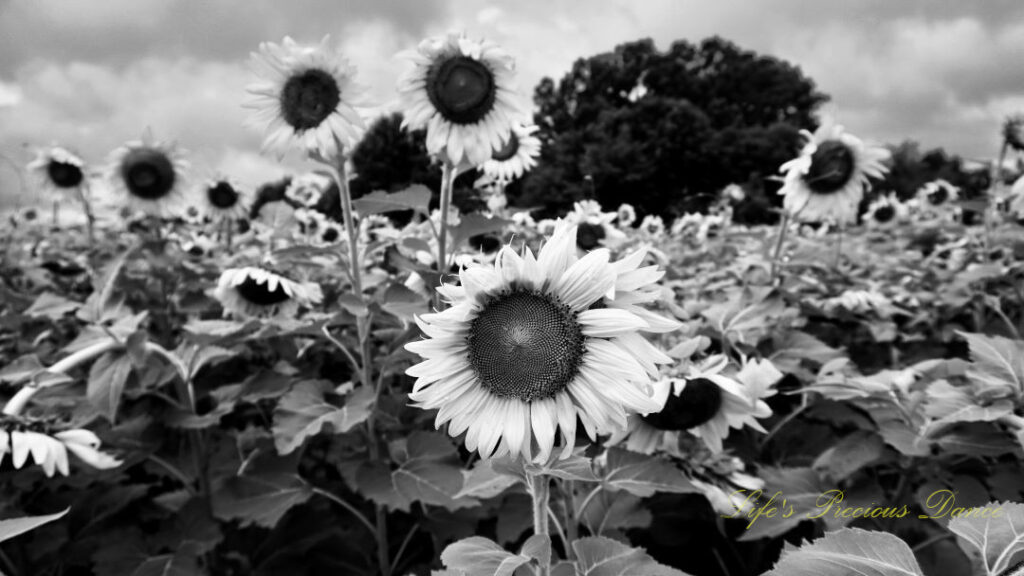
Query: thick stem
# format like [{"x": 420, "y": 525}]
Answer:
[
  {"x": 571, "y": 521},
  {"x": 783, "y": 228},
  {"x": 90, "y": 218},
  {"x": 17, "y": 403},
  {"x": 540, "y": 491},
  {"x": 447, "y": 183}
]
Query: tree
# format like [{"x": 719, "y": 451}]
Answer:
[{"x": 665, "y": 130}]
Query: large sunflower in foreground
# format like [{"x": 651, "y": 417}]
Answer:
[
  {"x": 530, "y": 344},
  {"x": 518, "y": 155},
  {"x": 58, "y": 170},
  {"x": 150, "y": 174},
  {"x": 828, "y": 179},
  {"x": 307, "y": 99},
  {"x": 706, "y": 401},
  {"x": 259, "y": 293},
  {"x": 461, "y": 91}
]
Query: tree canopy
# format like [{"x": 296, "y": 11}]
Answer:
[{"x": 665, "y": 131}]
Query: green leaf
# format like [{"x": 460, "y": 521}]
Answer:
[
  {"x": 997, "y": 362},
  {"x": 849, "y": 455},
  {"x": 135, "y": 346},
  {"x": 17, "y": 526},
  {"x": 992, "y": 542},
  {"x": 260, "y": 498},
  {"x": 483, "y": 481},
  {"x": 402, "y": 303},
  {"x": 849, "y": 551},
  {"x": 473, "y": 224},
  {"x": 304, "y": 412},
  {"x": 572, "y": 468},
  {"x": 107, "y": 379},
  {"x": 22, "y": 368},
  {"x": 643, "y": 475},
  {"x": 415, "y": 197},
  {"x": 195, "y": 357},
  {"x": 478, "y": 556},
  {"x": 599, "y": 556},
  {"x": 430, "y": 471},
  {"x": 51, "y": 306},
  {"x": 184, "y": 562}
]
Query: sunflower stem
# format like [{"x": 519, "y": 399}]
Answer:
[
  {"x": 540, "y": 492},
  {"x": 839, "y": 246},
  {"x": 448, "y": 174},
  {"x": 90, "y": 218},
  {"x": 783, "y": 228}
]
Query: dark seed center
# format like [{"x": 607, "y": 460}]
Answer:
[
  {"x": 508, "y": 150},
  {"x": 222, "y": 195},
  {"x": 63, "y": 174},
  {"x": 699, "y": 402},
  {"x": 462, "y": 89},
  {"x": 885, "y": 213},
  {"x": 525, "y": 345},
  {"x": 938, "y": 196},
  {"x": 330, "y": 235},
  {"x": 261, "y": 294},
  {"x": 148, "y": 173},
  {"x": 588, "y": 235},
  {"x": 485, "y": 243},
  {"x": 831, "y": 167},
  {"x": 309, "y": 98}
]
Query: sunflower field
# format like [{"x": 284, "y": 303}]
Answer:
[{"x": 297, "y": 381}]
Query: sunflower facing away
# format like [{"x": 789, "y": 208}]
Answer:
[
  {"x": 307, "y": 98},
  {"x": 530, "y": 344},
  {"x": 828, "y": 179},
  {"x": 151, "y": 175},
  {"x": 461, "y": 91},
  {"x": 224, "y": 199},
  {"x": 706, "y": 401},
  {"x": 58, "y": 170},
  {"x": 518, "y": 155},
  {"x": 259, "y": 293}
]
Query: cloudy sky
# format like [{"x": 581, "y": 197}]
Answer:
[{"x": 92, "y": 74}]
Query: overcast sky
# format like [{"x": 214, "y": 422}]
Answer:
[{"x": 92, "y": 74}]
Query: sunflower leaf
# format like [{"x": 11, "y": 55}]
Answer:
[
  {"x": 997, "y": 361},
  {"x": 261, "y": 498},
  {"x": 415, "y": 197},
  {"x": 303, "y": 412},
  {"x": 993, "y": 542},
  {"x": 474, "y": 224},
  {"x": 478, "y": 556},
  {"x": 17, "y": 526},
  {"x": 849, "y": 550},
  {"x": 430, "y": 471},
  {"x": 600, "y": 556},
  {"x": 642, "y": 475},
  {"x": 52, "y": 306},
  {"x": 107, "y": 379}
]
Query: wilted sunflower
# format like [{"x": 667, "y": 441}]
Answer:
[
  {"x": 307, "y": 99},
  {"x": 705, "y": 402},
  {"x": 259, "y": 293},
  {"x": 461, "y": 91},
  {"x": 224, "y": 199},
  {"x": 21, "y": 436},
  {"x": 58, "y": 170},
  {"x": 531, "y": 344},
  {"x": 828, "y": 179},
  {"x": 151, "y": 176},
  {"x": 885, "y": 212},
  {"x": 515, "y": 157}
]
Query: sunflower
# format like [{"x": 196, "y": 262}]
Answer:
[
  {"x": 57, "y": 170},
  {"x": 937, "y": 199},
  {"x": 516, "y": 156},
  {"x": 531, "y": 344},
  {"x": 307, "y": 190},
  {"x": 1013, "y": 132},
  {"x": 151, "y": 175},
  {"x": 652, "y": 227},
  {"x": 594, "y": 226},
  {"x": 224, "y": 199},
  {"x": 704, "y": 401},
  {"x": 21, "y": 437},
  {"x": 885, "y": 212},
  {"x": 307, "y": 99},
  {"x": 828, "y": 179},
  {"x": 625, "y": 216},
  {"x": 331, "y": 233},
  {"x": 461, "y": 92},
  {"x": 259, "y": 293}
]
